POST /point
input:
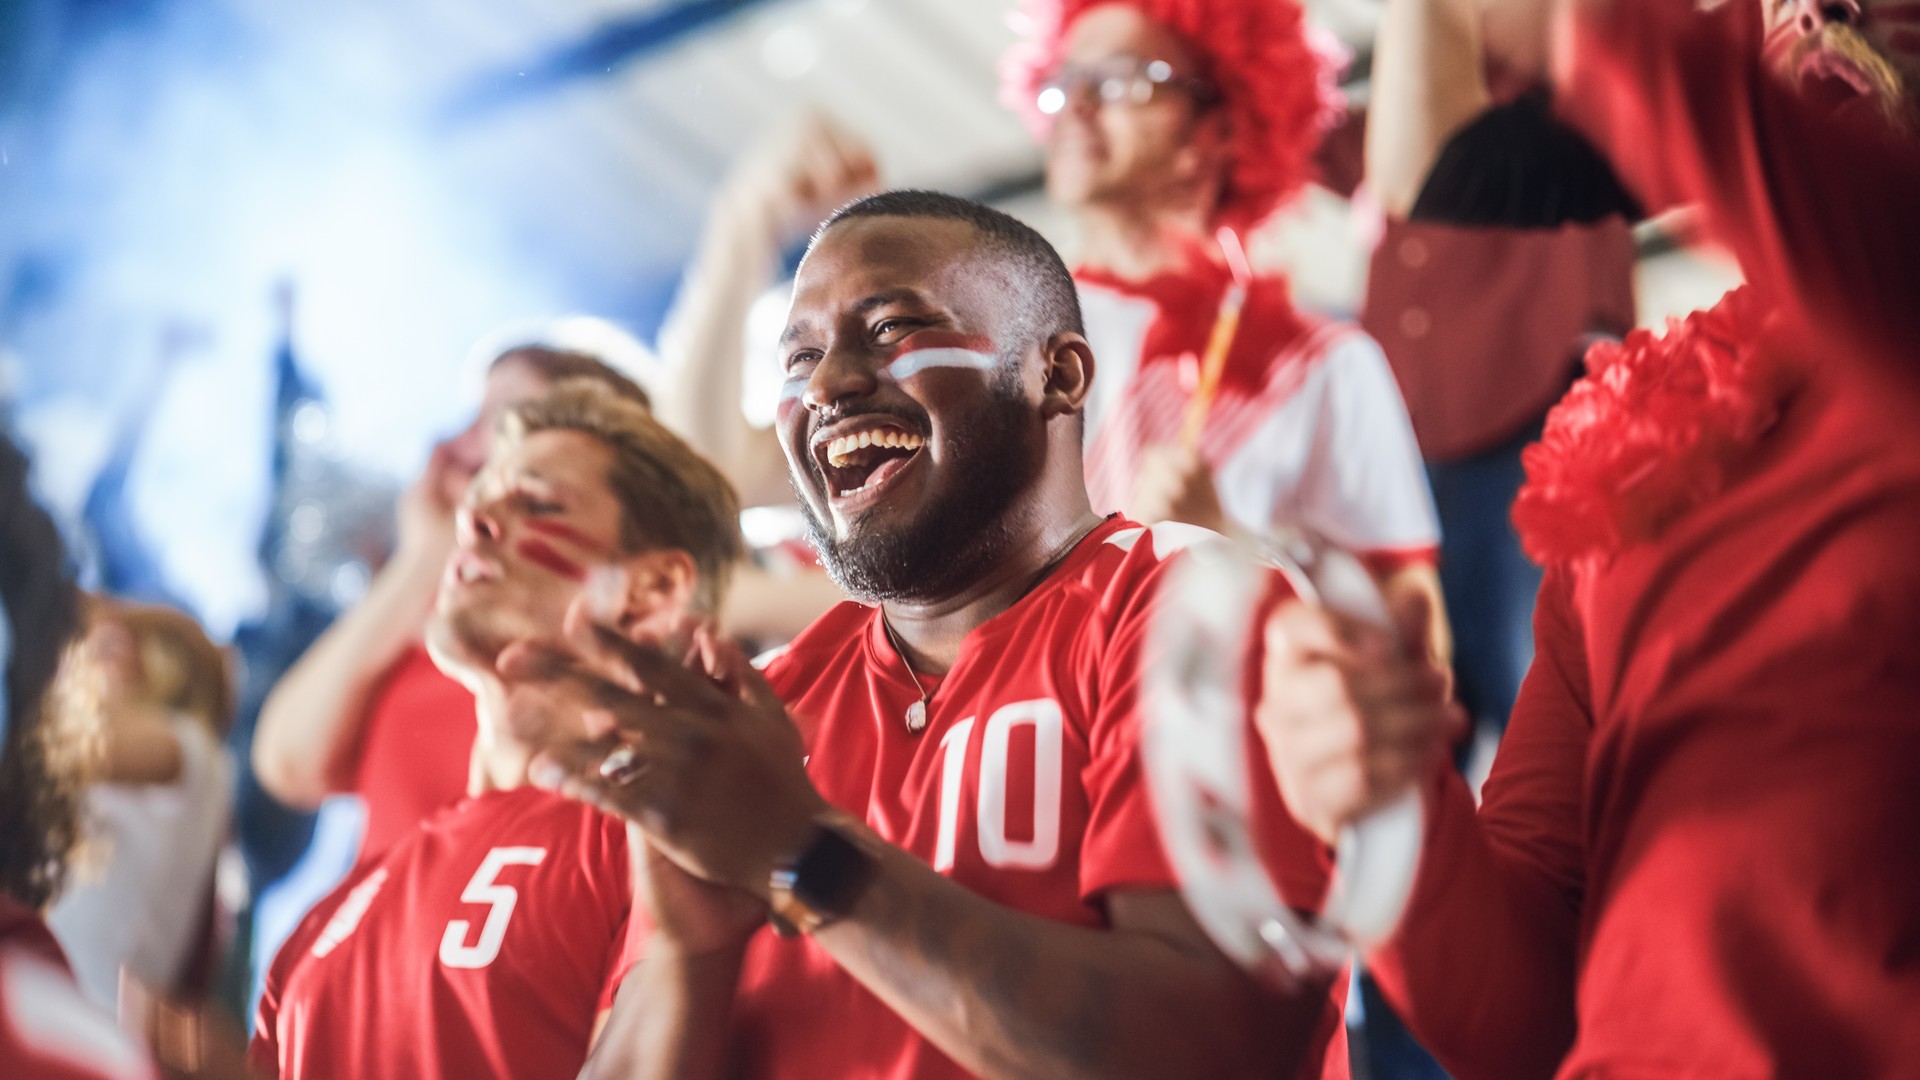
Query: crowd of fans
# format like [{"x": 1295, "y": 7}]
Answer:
[{"x": 1668, "y": 569}]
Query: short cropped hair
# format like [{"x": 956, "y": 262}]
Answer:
[
  {"x": 1051, "y": 304},
  {"x": 670, "y": 497}
]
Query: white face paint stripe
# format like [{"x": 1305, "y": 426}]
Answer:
[
  {"x": 906, "y": 366},
  {"x": 913, "y": 363}
]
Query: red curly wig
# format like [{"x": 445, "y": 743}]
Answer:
[{"x": 1278, "y": 80}]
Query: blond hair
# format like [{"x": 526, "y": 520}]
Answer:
[{"x": 670, "y": 497}]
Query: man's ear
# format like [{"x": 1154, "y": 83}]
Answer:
[
  {"x": 660, "y": 587},
  {"x": 1069, "y": 375}
]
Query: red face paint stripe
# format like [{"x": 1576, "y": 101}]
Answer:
[
  {"x": 568, "y": 533},
  {"x": 540, "y": 553},
  {"x": 943, "y": 339},
  {"x": 1906, "y": 41},
  {"x": 1895, "y": 13},
  {"x": 1778, "y": 43}
]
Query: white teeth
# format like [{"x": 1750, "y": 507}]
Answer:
[{"x": 839, "y": 448}]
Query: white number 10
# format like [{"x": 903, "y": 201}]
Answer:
[
  {"x": 995, "y": 846},
  {"x": 454, "y": 951}
]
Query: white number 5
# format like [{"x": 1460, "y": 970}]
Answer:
[{"x": 454, "y": 951}]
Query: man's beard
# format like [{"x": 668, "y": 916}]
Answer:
[
  {"x": 964, "y": 529},
  {"x": 1888, "y": 90}
]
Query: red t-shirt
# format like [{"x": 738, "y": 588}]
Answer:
[
  {"x": 48, "y": 1029},
  {"x": 484, "y": 945},
  {"x": 414, "y": 751},
  {"x": 1025, "y": 787}
]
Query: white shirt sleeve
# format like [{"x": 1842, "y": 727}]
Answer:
[{"x": 1337, "y": 457}]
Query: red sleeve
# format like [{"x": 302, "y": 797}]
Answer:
[
  {"x": 1482, "y": 968},
  {"x": 630, "y": 939},
  {"x": 1121, "y": 848},
  {"x": 1819, "y": 208},
  {"x": 263, "y": 1051}
]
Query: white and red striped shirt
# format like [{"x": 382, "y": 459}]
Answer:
[{"x": 1307, "y": 428}]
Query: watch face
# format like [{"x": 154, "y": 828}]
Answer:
[{"x": 831, "y": 873}]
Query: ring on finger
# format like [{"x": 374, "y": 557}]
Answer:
[{"x": 623, "y": 765}]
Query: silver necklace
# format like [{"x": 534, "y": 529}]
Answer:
[{"x": 916, "y": 712}]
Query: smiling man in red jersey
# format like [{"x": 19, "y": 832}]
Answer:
[
  {"x": 488, "y": 942},
  {"x": 1693, "y": 857},
  {"x": 959, "y": 838}
]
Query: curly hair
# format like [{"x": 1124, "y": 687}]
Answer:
[
  {"x": 1277, "y": 78},
  {"x": 43, "y": 761}
]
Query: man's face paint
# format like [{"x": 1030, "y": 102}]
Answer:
[
  {"x": 921, "y": 352},
  {"x": 538, "y": 518},
  {"x": 570, "y": 559},
  {"x": 907, "y": 423}
]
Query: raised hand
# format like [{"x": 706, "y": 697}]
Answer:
[
  {"x": 789, "y": 183},
  {"x": 425, "y": 513},
  {"x": 1176, "y": 485}
]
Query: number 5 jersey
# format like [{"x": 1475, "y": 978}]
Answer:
[{"x": 485, "y": 944}]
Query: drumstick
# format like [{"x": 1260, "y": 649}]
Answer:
[{"x": 1225, "y": 325}]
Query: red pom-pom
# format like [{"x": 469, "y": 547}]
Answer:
[
  {"x": 1649, "y": 433},
  {"x": 1280, "y": 82}
]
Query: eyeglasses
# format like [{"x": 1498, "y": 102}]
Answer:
[{"x": 1119, "y": 80}]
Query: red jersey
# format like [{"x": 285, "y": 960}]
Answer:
[
  {"x": 484, "y": 945},
  {"x": 413, "y": 753},
  {"x": 1694, "y": 854},
  {"x": 48, "y": 1029},
  {"x": 1025, "y": 787}
]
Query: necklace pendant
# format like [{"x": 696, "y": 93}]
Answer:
[{"x": 916, "y": 717}]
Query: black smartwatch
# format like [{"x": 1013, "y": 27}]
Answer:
[{"x": 823, "y": 880}]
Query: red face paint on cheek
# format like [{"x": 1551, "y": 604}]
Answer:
[
  {"x": 1904, "y": 41},
  {"x": 540, "y": 553},
  {"x": 789, "y": 403},
  {"x": 568, "y": 534}
]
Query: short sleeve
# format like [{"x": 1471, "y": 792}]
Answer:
[
  {"x": 263, "y": 1049},
  {"x": 1365, "y": 486},
  {"x": 1121, "y": 847},
  {"x": 636, "y": 928}
]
